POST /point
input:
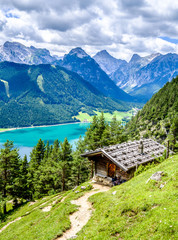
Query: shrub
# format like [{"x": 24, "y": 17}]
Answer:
[{"x": 143, "y": 168}]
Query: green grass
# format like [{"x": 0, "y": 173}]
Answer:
[
  {"x": 2, "y": 129},
  {"x": 138, "y": 210},
  {"x": 108, "y": 116},
  {"x": 36, "y": 224}
]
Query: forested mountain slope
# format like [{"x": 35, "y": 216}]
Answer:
[
  {"x": 46, "y": 94},
  {"x": 159, "y": 116}
]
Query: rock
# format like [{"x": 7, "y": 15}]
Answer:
[
  {"x": 156, "y": 176},
  {"x": 74, "y": 188},
  {"x": 47, "y": 209},
  {"x": 76, "y": 191},
  {"x": 83, "y": 187},
  {"x": 114, "y": 193},
  {"x": 161, "y": 186},
  {"x": 73, "y": 237}
]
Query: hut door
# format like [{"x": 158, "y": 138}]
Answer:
[{"x": 111, "y": 170}]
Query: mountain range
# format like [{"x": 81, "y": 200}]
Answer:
[
  {"x": 18, "y": 53},
  {"x": 77, "y": 60},
  {"x": 141, "y": 77},
  {"x": 144, "y": 76},
  {"x": 46, "y": 94}
]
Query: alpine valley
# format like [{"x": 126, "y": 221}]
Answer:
[{"x": 37, "y": 88}]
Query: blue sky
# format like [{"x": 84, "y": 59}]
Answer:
[
  {"x": 122, "y": 27},
  {"x": 171, "y": 40}
]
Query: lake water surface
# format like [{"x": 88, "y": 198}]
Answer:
[{"x": 26, "y": 138}]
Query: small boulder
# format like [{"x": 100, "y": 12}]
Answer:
[
  {"x": 114, "y": 193},
  {"x": 74, "y": 188},
  {"x": 83, "y": 187},
  {"x": 156, "y": 176},
  {"x": 76, "y": 191}
]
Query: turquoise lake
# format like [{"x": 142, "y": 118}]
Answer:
[{"x": 26, "y": 138}]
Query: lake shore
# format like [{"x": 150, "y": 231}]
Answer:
[{"x": 12, "y": 129}]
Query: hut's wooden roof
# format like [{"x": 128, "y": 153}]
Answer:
[{"x": 127, "y": 155}]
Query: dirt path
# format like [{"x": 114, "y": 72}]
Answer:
[
  {"x": 45, "y": 209},
  {"x": 17, "y": 219},
  {"x": 80, "y": 218}
]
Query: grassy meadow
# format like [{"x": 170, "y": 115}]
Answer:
[
  {"x": 108, "y": 116},
  {"x": 134, "y": 210},
  {"x": 38, "y": 225}
]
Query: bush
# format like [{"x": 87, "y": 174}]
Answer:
[{"x": 143, "y": 168}]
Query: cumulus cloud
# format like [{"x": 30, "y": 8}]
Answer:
[{"x": 122, "y": 27}]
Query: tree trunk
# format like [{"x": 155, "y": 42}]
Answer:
[
  {"x": 78, "y": 178},
  {"x": 63, "y": 179},
  {"x": 4, "y": 196},
  {"x": 4, "y": 207},
  {"x": 167, "y": 152}
]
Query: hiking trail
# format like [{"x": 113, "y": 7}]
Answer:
[{"x": 80, "y": 218}]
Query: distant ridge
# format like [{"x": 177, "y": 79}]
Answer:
[
  {"x": 18, "y": 53},
  {"x": 107, "y": 62},
  {"x": 77, "y": 60}
]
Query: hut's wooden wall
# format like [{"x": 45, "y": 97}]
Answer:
[
  {"x": 122, "y": 173},
  {"x": 101, "y": 167}
]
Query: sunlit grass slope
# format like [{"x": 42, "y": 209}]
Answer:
[
  {"x": 37, "y": 224},
  {"x": 133, "y": 210},
  {"x": 138, "y": 210}
]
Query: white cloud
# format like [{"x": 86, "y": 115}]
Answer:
[{"x": 122, "y": 27}]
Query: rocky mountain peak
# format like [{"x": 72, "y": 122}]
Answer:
[
  {"x": 79, "y": 52},
  {"x": 135, "y": 58},
  {"x": 19, "y": 53}
]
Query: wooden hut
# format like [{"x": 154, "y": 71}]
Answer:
[{"x": 122, "y": 160}]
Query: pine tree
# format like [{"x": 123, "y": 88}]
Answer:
[
  {"x": 9, "y": 172},
  {"x": 37, "y": 154},
  {"x": 81, "y": 166},
  {"x": 23, "y": 178},
  {"x": 65, "y": 162},
  {"x": 36, "y": 158}
]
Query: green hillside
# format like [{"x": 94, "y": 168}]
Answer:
[
  {"x": 45, "y": 94},
  {"x": 133, "y": 210},
  {"x": 159, "y": 116}
]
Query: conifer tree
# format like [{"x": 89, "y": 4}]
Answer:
[
  {"x": 37, "y": 154},
  {"x": 65, "y": 162},
  {"x": 9, "y": 172},
  {"x": 81, "y": 166},
  {"x": 23, "y": 178}
]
